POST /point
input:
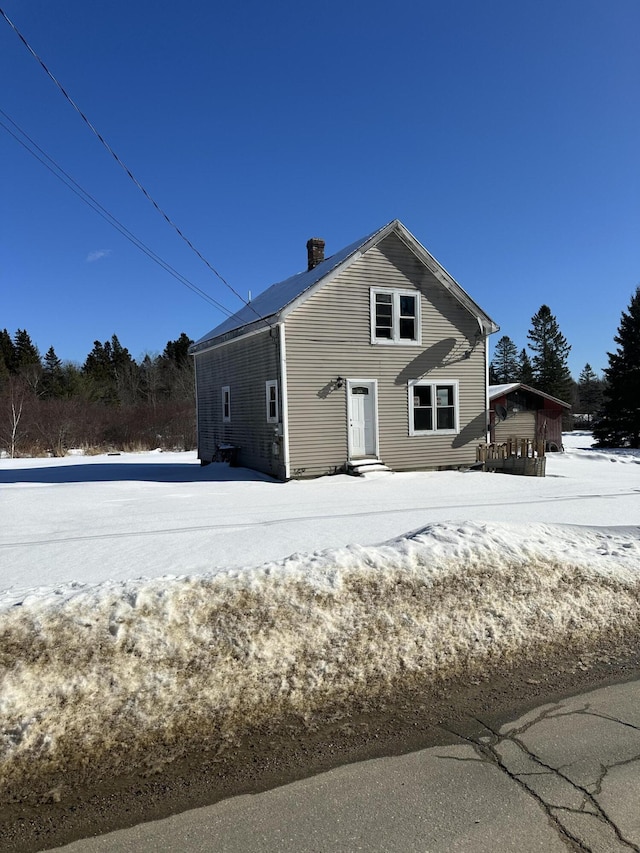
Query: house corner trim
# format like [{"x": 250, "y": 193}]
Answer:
[{"x": 284, "y": 402}]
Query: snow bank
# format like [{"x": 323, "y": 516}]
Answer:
[{"x": 105, "y": 677}]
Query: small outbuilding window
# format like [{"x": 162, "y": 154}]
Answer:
[
  {"x": 226, "y": 404},
  {"x": 272, "y": 401},
  {"x": 433, "y": 408},
  {"x": 395, "y": 316}
]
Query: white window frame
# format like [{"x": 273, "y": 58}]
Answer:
[
  {"x": 226, "y": 404},
  {"x": 269, "y": 385},
  {"x": 395, "y": 339},
  {"x": 434, "y": 384}
]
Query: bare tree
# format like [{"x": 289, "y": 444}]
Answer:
[
  {"x": 59, "y": 422},
  {"x": 15, "y": 393}
]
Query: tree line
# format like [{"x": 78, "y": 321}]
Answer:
[
  {"x": 110, "y": 402},
  {"x": 609, "y": 405}
]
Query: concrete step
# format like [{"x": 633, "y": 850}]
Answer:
[{"x": 365, "y": 466}]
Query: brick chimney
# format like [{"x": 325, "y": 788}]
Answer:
[{"x": 315, "y": 252}]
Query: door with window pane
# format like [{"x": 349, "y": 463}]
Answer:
[{"x": 362, "y": 418}]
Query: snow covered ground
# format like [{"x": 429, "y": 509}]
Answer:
[
  {"x": 98, "y": 518},
  {"x": 145, "y": 600}
]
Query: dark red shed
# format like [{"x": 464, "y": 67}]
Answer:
[{"x": 516, "y": 410}]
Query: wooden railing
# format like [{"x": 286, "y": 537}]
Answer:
[
  {"x": 523, "y": 456},
  {"x": 521, "y": 448}
]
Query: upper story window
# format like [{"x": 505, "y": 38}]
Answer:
[
  {"x": 272, "y": 401},
  {"x": 395, "y": 316},
  {"x": 433, "y": 407},
  {"x": 226, "y": 404}
]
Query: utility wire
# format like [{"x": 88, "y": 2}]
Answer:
[
  {"x": 120, "y": 163},
  {"x": 93, "y": 203}
]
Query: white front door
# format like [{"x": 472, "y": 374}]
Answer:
[{"x": 363, "y": 428}]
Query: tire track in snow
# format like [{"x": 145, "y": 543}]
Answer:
[{"x": 244, "y": 525}]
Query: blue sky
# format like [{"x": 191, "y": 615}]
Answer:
[{"x": 505, "y": 136}]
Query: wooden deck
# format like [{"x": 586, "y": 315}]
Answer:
[{"x": 524, "y": 456}]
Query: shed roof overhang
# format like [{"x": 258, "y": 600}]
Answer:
[{"x": 497, "y": 391}]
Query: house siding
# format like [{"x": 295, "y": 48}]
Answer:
[
  {"x": 245, "y": 366},
  {"x": 517, "y": 425},
  {"x": 550, "y": 427},
  {"x": 329, "y": 335}
]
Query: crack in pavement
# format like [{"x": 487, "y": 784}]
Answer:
[
  {"x": 552, "y": 789},
  {"x": 580, "y": 811},
  {"x": 597, "y": 785},
  {"x": 587, "y": 710},
  {"x": 487, "y": 753},
  {"x": 588, "y": 797}
]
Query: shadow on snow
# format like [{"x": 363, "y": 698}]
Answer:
[{"x": 138, "y": 472}]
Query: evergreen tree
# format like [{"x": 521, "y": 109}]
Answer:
[
  {"x": 97, "y": 365},
  {"x": 619, "y": 424},
  {"x": 26, "y": 353},
  {"x": 27, "y": 360},
  {"x": 121, "y": 359},
  {"x": 111, "y": 373},
  {"x": 525, "y": 369},
  {"x": 4, "y": 371},
  {"x": 589, "y": 392},
  {"x": 7, "y": 352},
  {"x": 52, "y": 376},
  {"x": 127, "y": 373},
  {"x": 505, "y": 361},
  {"x": 550, "y": 353},
  {"x": 72, "y": 381},
  {"x": 99, "y": 374},
  {"x": 178, "y": 350},
  {"x": 176, "y": 369},
  {"x": 151, "y": 370}
]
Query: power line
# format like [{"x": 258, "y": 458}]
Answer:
[
  {"x": 122, "y": 165},
  {"x": 95, "y": 205}
]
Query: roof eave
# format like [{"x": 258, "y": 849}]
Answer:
[
  {"x": 545, "y": 395},
  {"x": 514, "y": 386},
  {"x": 487, "y": 325},
  {"x": 260, "y": 325}
]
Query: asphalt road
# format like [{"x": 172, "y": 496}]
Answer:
[{"x": 562, "y": 777}]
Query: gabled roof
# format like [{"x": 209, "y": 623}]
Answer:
[
  {"x": 496, "y": 391},
  {"x": 499, "y": 390},
  {"x": 273, "y": 304}
]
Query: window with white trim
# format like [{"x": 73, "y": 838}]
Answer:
[
  {"x": 271, "y": 388},
  {"x": 226, "y": 404},
  {"x": 433, "y": 408},
  {"x": 395, "y": 316}
]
